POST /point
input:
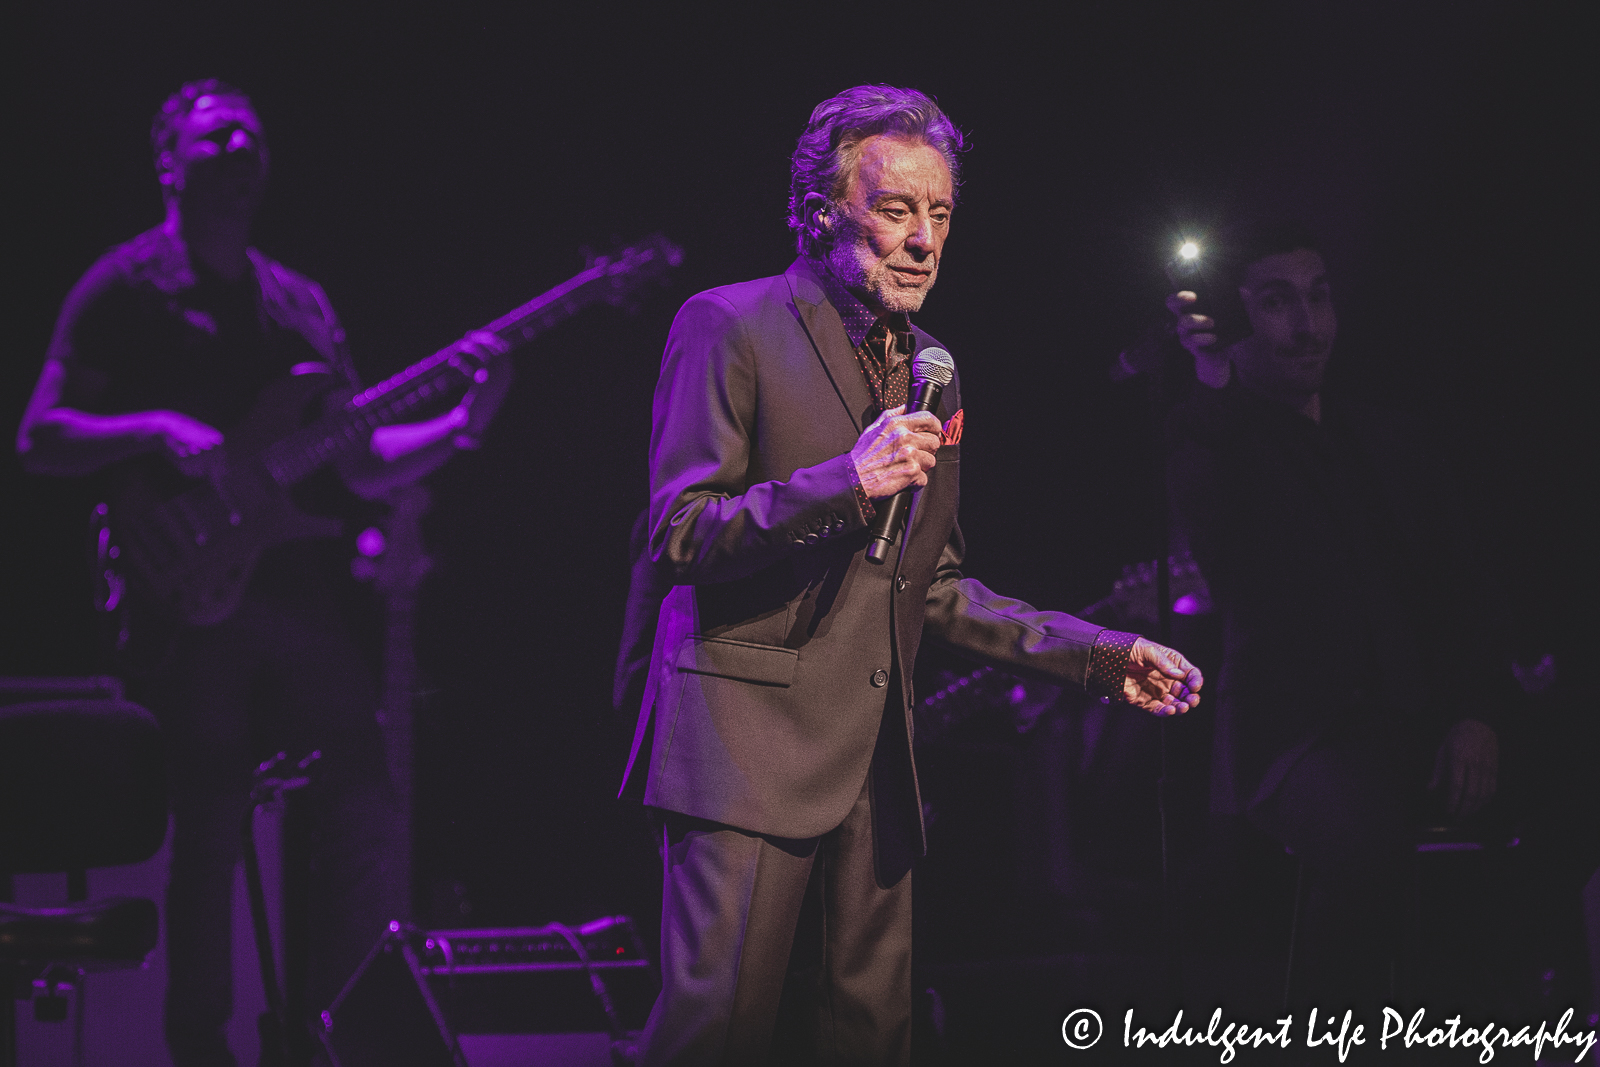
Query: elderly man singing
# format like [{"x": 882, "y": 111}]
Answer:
[{"x": 779, "y": 692}]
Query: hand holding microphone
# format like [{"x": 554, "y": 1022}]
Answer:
[{"x": 897, "y": 451}]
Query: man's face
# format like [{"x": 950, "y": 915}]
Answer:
[
  {"x": 891, "y": 227},
  {"x": 1290, "y": 308},
  {"x": 218, "y": 160}
]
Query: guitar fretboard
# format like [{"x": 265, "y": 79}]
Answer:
[{"x": 452, "y": 369}]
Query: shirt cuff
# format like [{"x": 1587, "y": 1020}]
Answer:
[
  {"x": 862, "y": 500},
  {"x": 1108, "y": 664}
]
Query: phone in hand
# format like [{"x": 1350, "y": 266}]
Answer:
[{"x": 1201, "y": 272}]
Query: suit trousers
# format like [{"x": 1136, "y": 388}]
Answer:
[{"x": 779, "y": 950}]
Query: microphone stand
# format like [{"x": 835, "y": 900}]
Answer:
[
  {"x": 1150, "y": 361},
  {"x": 1164, "y": 635}
]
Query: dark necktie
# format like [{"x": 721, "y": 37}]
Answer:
[{"x": 883, "y": 356}]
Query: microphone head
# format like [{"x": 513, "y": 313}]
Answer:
[{"x": 933, "y": 365}]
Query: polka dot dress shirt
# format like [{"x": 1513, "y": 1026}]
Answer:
[{"x": 1108, "y": 664}]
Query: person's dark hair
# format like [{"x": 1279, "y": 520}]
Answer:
[
  {"x": 164, "y": 127},
  {"x": 1266, "y": 237},
  {"x": 828, "y": 150}
]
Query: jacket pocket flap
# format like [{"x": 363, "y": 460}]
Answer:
[{"x": 740, "y": 660}]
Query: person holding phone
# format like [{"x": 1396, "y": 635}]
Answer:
[{"x": 1328, "y": 533}]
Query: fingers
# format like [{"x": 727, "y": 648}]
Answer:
[
  {"x": 1178, "y": 303},
  {"x": 485, "y": 344},
  {"x": 1168, "y": 661},
  {"x": 895, "y": 422},
  {"x": 192, "y": 447},
  {"x": 1175, "y": 666},
  {"x": 1168, "y": 701},
  {"x": 198, "y": 464},
  {"x": 918, "y": 448},
  {"x": 193, "y": 441},
  {"x": 896, "y": 451},
  {"x": 1196, "y": 332},
  {"x": 1161, "y": 680}
]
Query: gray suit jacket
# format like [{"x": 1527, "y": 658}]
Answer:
[{"x": 775, "y": 652}]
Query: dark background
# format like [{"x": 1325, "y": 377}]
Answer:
[{"x": 434, "y": 170}]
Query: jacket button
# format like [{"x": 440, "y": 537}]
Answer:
[
  {"x": 880, "y": 679},
  {"x": 900, "y": 583}
]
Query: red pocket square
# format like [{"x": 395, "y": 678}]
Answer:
[{"x": 952, "y": 429}]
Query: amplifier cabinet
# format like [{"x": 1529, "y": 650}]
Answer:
[{"x": 577, "y": 993}]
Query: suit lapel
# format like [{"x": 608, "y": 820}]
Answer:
[{"x": 826, "y": 330}]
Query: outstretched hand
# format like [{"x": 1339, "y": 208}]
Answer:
[{"x": 1160, "y": 680}]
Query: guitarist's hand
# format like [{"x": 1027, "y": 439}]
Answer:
[
  {"x": 406, "y": 451},
  {"x": 189, "y": 443},
  {"x": 1160, "y": 680},
  {"x": 478, "y": 407}
]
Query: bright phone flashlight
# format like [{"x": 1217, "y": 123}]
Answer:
[{"x": 1183, "y": 269}]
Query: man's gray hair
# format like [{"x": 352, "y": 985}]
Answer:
[{"x": 826, "y": 156}]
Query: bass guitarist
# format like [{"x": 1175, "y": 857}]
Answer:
[{"x": 161, "y": 350}]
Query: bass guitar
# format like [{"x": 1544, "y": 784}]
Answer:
[{"x": 193, "y": 549}]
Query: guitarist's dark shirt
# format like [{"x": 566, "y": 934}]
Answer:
[{"x": 146, "y": 328}]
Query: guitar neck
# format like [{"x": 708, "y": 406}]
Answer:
[{"x": 452, "y": 369}]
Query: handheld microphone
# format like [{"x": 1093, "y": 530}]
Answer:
[{"x": 931, "y": 370}]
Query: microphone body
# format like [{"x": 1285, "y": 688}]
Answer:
[{"x": 892, "y": 513}]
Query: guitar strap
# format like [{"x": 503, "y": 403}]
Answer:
[{"x": 280, "y": 287}]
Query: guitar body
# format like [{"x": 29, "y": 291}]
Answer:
[{"x": 192, "y": 544}]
